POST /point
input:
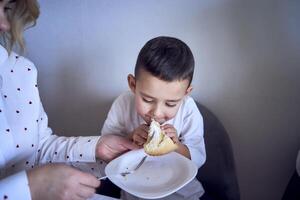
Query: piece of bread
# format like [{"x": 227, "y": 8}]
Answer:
[{"x": 157, "y": 142}]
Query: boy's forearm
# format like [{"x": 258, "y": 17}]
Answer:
[{"x": 183, "y": 150}]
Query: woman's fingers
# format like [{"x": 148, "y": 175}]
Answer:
[
  {"x": 85, "y": 192},
  {"x": 88, "y": 179}
]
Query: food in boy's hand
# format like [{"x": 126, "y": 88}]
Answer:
[{"x": 158, "y": 143}]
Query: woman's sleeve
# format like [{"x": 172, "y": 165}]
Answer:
[
  {"x": 192, "y": 134},
  {"x": 15, "y": 187},
  {"x": 53, "y": 148}
]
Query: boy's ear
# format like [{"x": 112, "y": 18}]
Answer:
[
  {"x": 131, "y": 82},
  {"x": 188, "y": 90}
]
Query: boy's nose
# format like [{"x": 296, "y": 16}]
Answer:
[{"x": 157, "y": 113}]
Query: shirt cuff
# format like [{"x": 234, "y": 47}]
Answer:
[
  {"x": 196, "y": 156},
  {"x": 15, "y": 187},
  {"x": 85, "y": 149}
]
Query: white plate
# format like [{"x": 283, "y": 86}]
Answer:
[{"x": 158, "y": 177}]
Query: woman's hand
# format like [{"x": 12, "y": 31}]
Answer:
[
  {"x": 140, "y": 134},
  {"x": 60, "y": 182},
  {"x": 111, "y": 146}
]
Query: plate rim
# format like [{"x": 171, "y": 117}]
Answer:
[{"x": 192, "y": 174}]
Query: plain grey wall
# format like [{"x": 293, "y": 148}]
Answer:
[{"x": 247, "y": 70}]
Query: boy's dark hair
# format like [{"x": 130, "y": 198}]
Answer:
[{"x": 166, "y": 58}]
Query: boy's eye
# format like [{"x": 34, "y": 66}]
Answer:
[
  {"x": 170, "y": 105},
  {"x": 147, "y": 100}
]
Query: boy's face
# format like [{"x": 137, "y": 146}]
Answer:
[{"x": 155, "y": 98}]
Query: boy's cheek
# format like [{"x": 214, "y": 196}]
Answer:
[
  {"x": 172, "y": 112},
  {"x": 141, "y": 109}
]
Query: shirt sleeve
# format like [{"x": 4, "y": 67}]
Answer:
[
  {"x": 15, "y": 187},
  {"x": 114, "y": 124},
  {"x": 192, "y": 134},
  {"x": 53, "y": 148}
]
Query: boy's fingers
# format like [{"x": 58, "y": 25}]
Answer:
[
  {"x": 164, "y": 126},
  {"x": 174, "y": 137},
  {"x": 168, "y": 127},
  {"x": 171, "y": 135},
  {"x": 169, "y": 131},
  {"x": 145, "y": 128},
  {"x": 138, "y": 139},
  {"x": 139, "y": 144},
  {"x": 144, "y": 135}
]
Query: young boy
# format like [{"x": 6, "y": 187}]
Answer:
[{"x": 160, "y": 89}]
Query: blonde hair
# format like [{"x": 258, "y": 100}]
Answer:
[{"x": 23, "y": 15}]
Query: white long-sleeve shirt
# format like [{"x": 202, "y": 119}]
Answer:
[
  {"x": 123, "y": 119},
  {"x": 25, "y": 138}
]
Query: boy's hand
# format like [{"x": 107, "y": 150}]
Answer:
[
  {"x": 140, "y": 134},
  {"x": 171, "y": 132}
]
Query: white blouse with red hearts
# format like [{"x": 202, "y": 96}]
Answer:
[{"x": 25, "y": 138}]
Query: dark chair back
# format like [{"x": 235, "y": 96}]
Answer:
[{"x": 218, "y": 174}]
